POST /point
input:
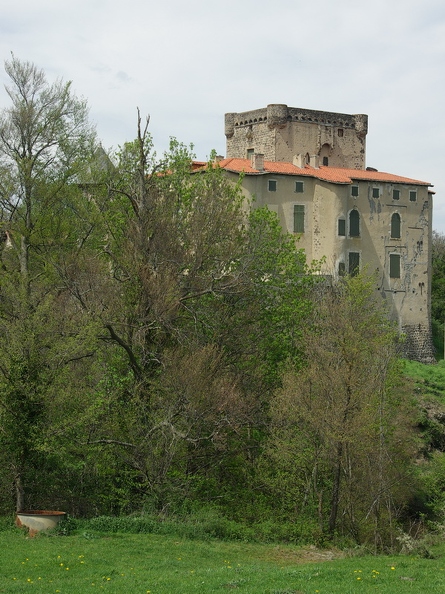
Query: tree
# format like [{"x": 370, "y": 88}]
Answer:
[
  {"x": 340, "y": 433},
  {"x": 200, "y": 292},
  {"x": 438, "y": 289},
  {"x": 45, "y": 139}
]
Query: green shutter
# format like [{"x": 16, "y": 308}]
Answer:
[
  {"x": 395, "y": 226},
  {"x": 299, "y": 218},
  {"x": 354, "y": 263},
  {"x": 394, "y": 265},
  {"x": 354, "y": 224},
  {"x": 342, "y": 227}
]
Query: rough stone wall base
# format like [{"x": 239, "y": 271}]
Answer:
[{"x": 418, "y": 345}]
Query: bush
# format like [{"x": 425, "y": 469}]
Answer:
[
  {"x": 203, "y": 524},
  {"x": 7, "y": 523}
]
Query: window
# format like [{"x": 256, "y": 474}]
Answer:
[
  {"x": 340, "y": 132},
  {"x": 298, "y": 218},
  {"x": 395, "y": 226},
  {"x": 396, "y": 194},
  {"x": 342, "y": 227},
  {"x": 299, "y": 186},
  {"x": 394, "y": 265},
  {"x": 325, "y": 161},
  {"x": 250, "y": 153},
  {"x": 412, "y": 195},
  {"x": 272, "y": 185},
  {"x": 341, "y": 269},
  {"x": 376, "y": 192},
  {"x": 354, "y": 223},
  {"x": 354, "y": 263},
  {"x": 354, "y": 191}
]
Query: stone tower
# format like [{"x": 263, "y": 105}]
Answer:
[{"x": 282, "y": 133}]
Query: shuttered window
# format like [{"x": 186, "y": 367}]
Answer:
[
  {"x": 298, "y": 218},
  {"x": 342, "y": 227},
  {"x": 354, "y": 223},
  {"x": 394, "y": 265},
  {"x": 395, "y": 226},
  {"x": 354, "y": 263}
]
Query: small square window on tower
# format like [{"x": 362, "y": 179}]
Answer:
[{"x": 272, "y": 185}]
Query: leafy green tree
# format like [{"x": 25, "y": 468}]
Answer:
[
  {"x": 341, "y": 441},
  {"x": 438, "y": 289},
  {"x": 45, "y": 138},
  {"x": 204, "y": 308}
]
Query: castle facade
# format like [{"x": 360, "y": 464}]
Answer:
[{"x": 310, "y": 168}]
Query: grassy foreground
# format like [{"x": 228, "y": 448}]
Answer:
[{"x": 158, "y": 564}]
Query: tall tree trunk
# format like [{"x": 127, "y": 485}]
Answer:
[
  {"x": 336, "y": 489},
  {"x": 20, "y": 491}
]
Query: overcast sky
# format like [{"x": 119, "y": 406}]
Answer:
[{"x": 185, "y": 63}]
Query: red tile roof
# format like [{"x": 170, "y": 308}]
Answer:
[
  {"x": 335, "y": 175},
  {"x": 198, "y": 165}
]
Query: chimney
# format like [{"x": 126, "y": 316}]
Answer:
[
  {"x": 299, "y": 161},
  {"x": 257, "y": 161},
  {"x": 314, "y": 161}
]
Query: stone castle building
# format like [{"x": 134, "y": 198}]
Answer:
[{"x": 310, "y": 168}]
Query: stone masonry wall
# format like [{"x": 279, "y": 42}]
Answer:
[
  {"x": 281, "y": 132},
  {"x": 418, "y": 345}
]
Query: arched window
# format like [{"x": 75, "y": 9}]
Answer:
[
  {"x": 354, "y": 223},
  {"x": 395, "y": 226}
]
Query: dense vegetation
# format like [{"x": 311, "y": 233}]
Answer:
[
  {"x": 163, "y": 350},
  {"x": 438, "y": 291}
]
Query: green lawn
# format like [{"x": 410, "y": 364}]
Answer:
[{"x": 155, "y": 564}]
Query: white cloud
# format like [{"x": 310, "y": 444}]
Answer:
[{"x": 187, "y": 63}]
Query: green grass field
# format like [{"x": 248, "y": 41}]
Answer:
[{"x": 158, "y": 564}]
